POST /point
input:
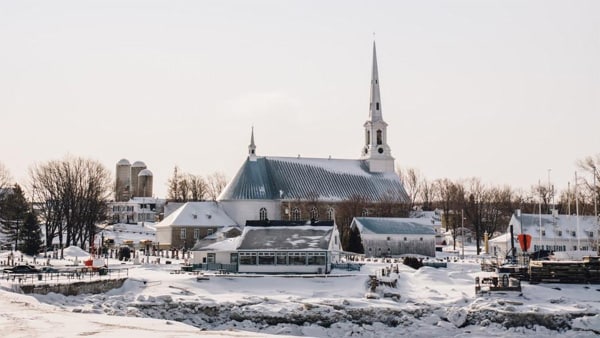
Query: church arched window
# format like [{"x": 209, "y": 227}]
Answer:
[
  {"x": 379, "y": 137},
  {"x": 367, "y": 137},
  {"x": 263, "y": 214},
  {"x": 330, "y": 213},
  {"x": 314, "y": 213},
  {"x": 295, "y": 214}
]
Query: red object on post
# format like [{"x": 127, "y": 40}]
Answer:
[
  {"x": 88, "y": 262},
  {"x": 524, "y": 241}
]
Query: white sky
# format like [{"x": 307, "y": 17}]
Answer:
[{"x": 501, "y": 90}]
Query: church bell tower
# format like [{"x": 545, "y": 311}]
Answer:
[{"x": 376, "y": 151}]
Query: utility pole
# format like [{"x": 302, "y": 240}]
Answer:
[{"x": 462, "y": 219}]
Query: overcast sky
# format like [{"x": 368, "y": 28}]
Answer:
[{"x": 501, "y": 90}]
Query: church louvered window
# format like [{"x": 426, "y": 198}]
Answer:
[
  {"x": 379, "y": 137},
  {"x": 263, "y": 214},
  {"x": 295, "y": 214}
]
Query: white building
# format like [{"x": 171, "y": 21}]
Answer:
[
  {"x": 136, "y": 210},
  {"x": 565, "y": 235},
  {"x": 266, "y": 187},
  {"x": 391, "y": 237}
]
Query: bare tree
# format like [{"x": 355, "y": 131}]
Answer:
[
  {"x": 74, "y": 193},
  {"x": 412, "y": 181},
  {"x": 5, "y": 178},
  {"x": 216, "y": 183}
]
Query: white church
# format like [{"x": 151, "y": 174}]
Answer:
[{"x": 287, "y": 188}]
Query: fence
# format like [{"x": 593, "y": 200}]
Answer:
[
  {"x": 229, "y": 268},
  {"x": 66, "y": 276}
]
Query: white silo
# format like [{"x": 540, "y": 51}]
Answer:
[
  {"x": 136, "y": 168},
  {"x": 145, "y": 183},
  {"x": 123, "y": 181}
]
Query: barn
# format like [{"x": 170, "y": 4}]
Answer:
[{"x": 390, "y": 237}]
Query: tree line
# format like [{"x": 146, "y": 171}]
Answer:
[{"x": 70, "y": 197}]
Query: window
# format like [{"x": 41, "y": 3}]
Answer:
[
  {"x": 209, "y": 232},
  {"x": 297, "y": 258},
  {"x": 263, "y": 214},
  {"x": 543, "y": 232},
  {"x": 233, "y": 258},
  {"x": 196, "y": 233},
  {"x": 591, "y": 234},
  {"x": 210, "y": 257},
  {"x": 316, "y": 258},
  {"x": 368, "y": 137},
  {"x": 295, "y": 214},
  {"x": 389, "y": 238},
  {"x": 182, "y": 233},
  {"x": 405, "y": 239},
  {"x": 281, "y": 258},
  {"x": 559, "y": 233},
  {"x": 365, "y": 213},
  {"x": 314, "y": 213},
  {"x": 421, "y": 239},
  {"x": 377, "y": 105},
  {"x": 574, "y": 233},
  {"x": 266, "y": 258},
  {"x": 330, "y": 213},
  {"x": 379, "y": 137},
  {"x": 247, "y": 258}
]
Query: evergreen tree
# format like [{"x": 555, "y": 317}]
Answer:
[
  {"x": 13, "y": 208},
  {"x": 31, "y": 234}
]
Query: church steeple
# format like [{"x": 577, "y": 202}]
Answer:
[
  {"x": 252, "y": 147},
  {"x": 376, "y": 150},
  {"x": 375, "y": 103}
]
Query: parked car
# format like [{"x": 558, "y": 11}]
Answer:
[{"x": 22, "y": 269}]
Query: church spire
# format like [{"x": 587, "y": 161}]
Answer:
[
  {"x": 376, "y": 150},
  {"x": 252, "y": 146},
  {"x": 375, "y": 104}
]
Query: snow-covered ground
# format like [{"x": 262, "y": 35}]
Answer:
[{"x": 156, "y": 302}]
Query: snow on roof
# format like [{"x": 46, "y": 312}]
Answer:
[
  {"x": 229, "y": 244},
  {"x": 559, "y": 223},
  {"x": 145, "y": 172},
  {"x": 301, "y": 237},
  {"x": 198, "y": 214},
  {"x": 308, "y": 178},
  {"x": 139, "y": 164},
  {"x": 123, "y": 161},
  {"x": 395, "y": 226}
]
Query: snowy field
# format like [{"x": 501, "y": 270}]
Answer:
[{"x": 157, "y": 302}]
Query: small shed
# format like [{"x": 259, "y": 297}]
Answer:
[{"x": 389, "y": 237}]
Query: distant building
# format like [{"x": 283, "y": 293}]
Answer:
[
  {"x": 566, "y": 234},
  {"x": 136, "y": 210},
  {"x": 392, "y": 237},
  {"x": 193, "y": 221}
]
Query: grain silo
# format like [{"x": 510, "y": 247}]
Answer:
[
  {"x": 144, "y": 187},
  {"x": 123, "y": 181},
  {"x": 136, "y": 168}
]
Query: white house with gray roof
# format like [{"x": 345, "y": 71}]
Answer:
[
  {"x": 568, "y": 236},
  {"x": 265, "y": 183},
  {"x": 392, "y": 237}
]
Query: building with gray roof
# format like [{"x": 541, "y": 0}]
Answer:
[
  {"x": 267, "y": 185},
  {"x": 390, "y": 237}
]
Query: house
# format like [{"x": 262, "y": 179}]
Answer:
[
  {"x": 435, "y": 217},
  {"x": 276, "y": 247},
  {"x": 561, "y": 234},
  {"x": 136, "y": 210},
  {"x": 288, "y": 247},
  {"x": 191, "y": 222},
  {"x": 389, "y": 237}
]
